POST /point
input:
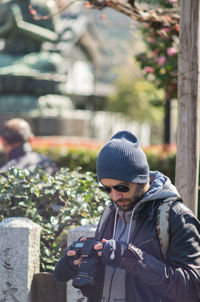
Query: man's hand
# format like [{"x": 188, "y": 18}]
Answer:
[
  {"x": 99, "y": 246},
  {"x": 72, "y": 253},
  {"x": 111, "y": 251}
]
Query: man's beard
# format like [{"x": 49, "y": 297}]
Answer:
[{"x": 127, "y": 204}]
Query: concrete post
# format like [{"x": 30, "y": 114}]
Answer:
[
  {"x": 19, "y": 258},
  {"x": 46, "y": 289},
  {"x": 73, "y": 294}
]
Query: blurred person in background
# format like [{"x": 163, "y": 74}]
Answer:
[{"x": 16, "y": 137}]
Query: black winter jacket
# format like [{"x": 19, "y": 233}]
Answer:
[
  {"x": 150, "y": 278},
  {"x": 23, "y": 157}
]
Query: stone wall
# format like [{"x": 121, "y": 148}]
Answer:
[
  {"x": 19, "y": 258},
  {"x": 20, "y": 279}
]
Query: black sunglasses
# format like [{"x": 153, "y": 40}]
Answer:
[{"x": 119, "y": 188}]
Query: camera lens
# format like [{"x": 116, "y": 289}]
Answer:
[{"x": 87, "y": 273}]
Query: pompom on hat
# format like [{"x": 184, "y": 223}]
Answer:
[{"x": 123, "y": 159}]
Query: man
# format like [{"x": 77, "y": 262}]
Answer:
[
  {"x": 16, "y": 139},
  {"x": 132, "y": 267}
]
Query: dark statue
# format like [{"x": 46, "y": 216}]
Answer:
[{"x": 24, "y": 66}]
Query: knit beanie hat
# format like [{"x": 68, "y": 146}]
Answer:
[{"x": 122, "y": 158}]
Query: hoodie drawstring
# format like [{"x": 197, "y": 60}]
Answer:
[
  {"x": 130, "y": 224},
  {"x": 115, "y": 222}
]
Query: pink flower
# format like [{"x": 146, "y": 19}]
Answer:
[
  {"x": 149, "y": 69},
  {"x": 161, "y": 61},
  {"x": 155, "y": 52},
  {"x": 171, "y": 51},
  {"x": 166, "y": 29},
  {"x": 152, "y": 40},
  {"x": 171, "y": 88},
  {"x": 167, "y": 95},
  {"x": 173, "y": 1}
]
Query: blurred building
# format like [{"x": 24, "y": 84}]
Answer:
[{"x": 62, "y": 89}]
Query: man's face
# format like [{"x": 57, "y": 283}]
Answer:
[{"x": 125, "y": 200}]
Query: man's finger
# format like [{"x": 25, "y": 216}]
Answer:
[
  {"x": 77, "y": 261},
  {"x": 98, "y": 246},
  {"x": 71, "y": 253},
  {"x": 83, "y": 238}
]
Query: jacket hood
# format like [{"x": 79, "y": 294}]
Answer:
[{"x": 160, "y": 187}]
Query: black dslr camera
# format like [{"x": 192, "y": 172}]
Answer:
[{"x": 86, "y": 279}]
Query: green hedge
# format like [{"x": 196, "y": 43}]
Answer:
[
  {"x": 162, "y": 161},
  {"x": 2, "y": 158},
  {"x": 72, "y": 157},
  {"x": 56, "y": 203}
]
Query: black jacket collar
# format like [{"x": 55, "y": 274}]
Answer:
[{"x": 19, "y": 151}]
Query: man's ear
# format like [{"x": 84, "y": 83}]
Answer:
[
  {"x": 31, "y": 138},
  {"x": 3, "y": 142},
  {"x": 7, "y": 148}
]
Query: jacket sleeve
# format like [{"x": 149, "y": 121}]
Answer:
[
  {"x": 179, "y": 278},
  {"x": 64, "y": 270}
]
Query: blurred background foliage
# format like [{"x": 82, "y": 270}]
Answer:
[
  {"x": 159, "y": 61},
  {"x": 148, "y": 81},
  {"x": 139, "y": 99}
]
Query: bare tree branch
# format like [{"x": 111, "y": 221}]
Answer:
[
  {"x": 162, "y": 17},
  {"x": 157, "y": 18}
]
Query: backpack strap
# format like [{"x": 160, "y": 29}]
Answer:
[{"x": 162, "y": 224}]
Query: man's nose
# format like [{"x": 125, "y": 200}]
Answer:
[{"x": 115, "y": 196}]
